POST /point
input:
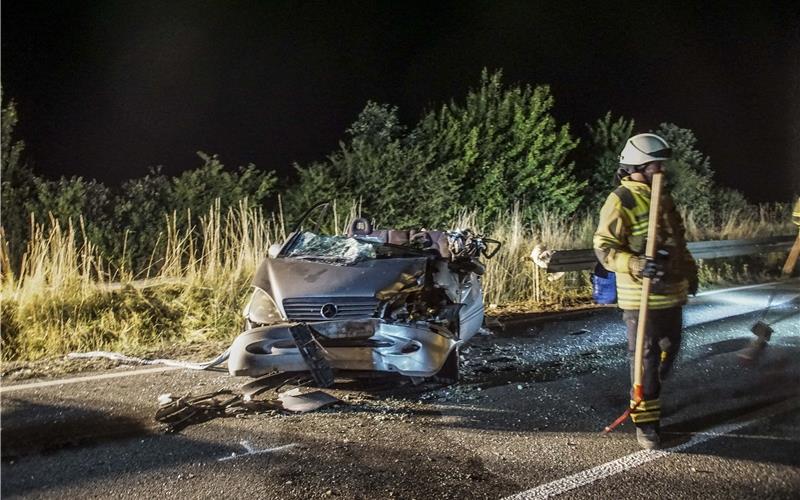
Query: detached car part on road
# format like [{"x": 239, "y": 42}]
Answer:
[{"x": 368, "y": 301}]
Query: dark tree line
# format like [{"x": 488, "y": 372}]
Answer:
[
  {"x": 124, "y": 223},
  {"x": 498, "y": 146}
]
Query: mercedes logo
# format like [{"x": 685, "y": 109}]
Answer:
[{"x": 328, "y": 310}]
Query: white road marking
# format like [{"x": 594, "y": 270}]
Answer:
[
  {"x": 252, "y": 451},
  {"x": 484, "y": 409},
  {"x": 76, "y": 380},
  {"x": 589, "y": 476},
  {"x": 735, "y": 435}
]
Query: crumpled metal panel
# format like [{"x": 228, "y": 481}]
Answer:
[{"x": 286, "y": 278}]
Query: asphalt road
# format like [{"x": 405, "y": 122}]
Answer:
[{"x": 524, "y": 420}]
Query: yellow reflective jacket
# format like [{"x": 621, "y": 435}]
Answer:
[{"x": 622, "y": 234}]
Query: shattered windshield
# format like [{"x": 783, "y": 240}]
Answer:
[
  {"x": 345, "y": 250},
  {"x": 334, "y": 249}
]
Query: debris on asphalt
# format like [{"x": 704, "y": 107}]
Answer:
[
  {"x": 178, "y": 413},
  {"x": 294, "y": 401},
  {"x": 273, "y": 381}
]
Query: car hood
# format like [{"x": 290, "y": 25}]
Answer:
[{"x": 293, "y": 278}]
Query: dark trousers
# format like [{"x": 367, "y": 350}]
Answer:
[{"x": 662, "y": 340}]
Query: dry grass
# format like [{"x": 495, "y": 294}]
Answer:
[
  {"x": 766, "y": 220},
  {"x": 66, "y": 297},
  {"x": 512, "y": 277}
]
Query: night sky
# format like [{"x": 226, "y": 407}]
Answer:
[{"x": 106, "y": 89}]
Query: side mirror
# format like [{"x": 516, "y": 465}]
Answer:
[{"x": 274, "y": 250}]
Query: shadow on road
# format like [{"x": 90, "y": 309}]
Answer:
[
  {"x": 427, "y": 469},
  {"x": 30, "y": 428}
]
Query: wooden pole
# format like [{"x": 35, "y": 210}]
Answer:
[{"x": 650, "y": 252}]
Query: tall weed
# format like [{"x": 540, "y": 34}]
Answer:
[
  {"x": 64, "y": 298},
  {"x": 67, "y": 297}
]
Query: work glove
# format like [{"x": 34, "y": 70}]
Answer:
[
  {"x": 653, "y": 269},
  {"x": 642, "y": 267}
]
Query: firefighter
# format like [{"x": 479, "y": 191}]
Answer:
[{"x": 619, "y": 243}]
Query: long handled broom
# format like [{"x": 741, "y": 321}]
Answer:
[
  {"x": 650, "y": 252},
  {"x": 761, "y": 329}
]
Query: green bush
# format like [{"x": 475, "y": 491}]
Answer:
[
  {"x": 17, "y": 184},
  {"x": 85, "y": 203},
  {"x": 598, "y": 157},
  {"x": 140, "y": 210},
  {"x": 126, "y": 223},
  {"x": 200, "y": 188},
  {"x": 689, "y": 173},
  {"x": 499, "y": 147},
  {"x": 143, "y": 204}
]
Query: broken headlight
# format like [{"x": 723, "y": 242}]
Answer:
[{"x": 262, "y": 309}]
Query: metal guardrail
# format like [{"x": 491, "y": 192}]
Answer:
[{"x": 577, "y": 260}]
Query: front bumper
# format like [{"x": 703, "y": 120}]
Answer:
[{"x": 368, "y": 345}]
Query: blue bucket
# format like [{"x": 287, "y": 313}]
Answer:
[{"x": 604, "y": 285}]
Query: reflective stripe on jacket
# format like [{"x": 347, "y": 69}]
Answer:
[
  {"x": 622, "y": 234},
  {"x": 796, "y": 213}
]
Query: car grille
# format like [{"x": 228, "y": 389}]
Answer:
[{"x": 310, "y": 308}]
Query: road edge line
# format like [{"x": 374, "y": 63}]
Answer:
[
  {"x": 608, "y": 469},
  {"x": 74, "y": 380}
]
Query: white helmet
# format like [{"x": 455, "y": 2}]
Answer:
[{"x": 644, "y": 148}]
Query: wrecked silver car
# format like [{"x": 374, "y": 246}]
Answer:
[{"x": 366, "y": 301}]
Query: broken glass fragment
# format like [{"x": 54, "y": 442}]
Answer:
[{"x": 342, "y": 250}]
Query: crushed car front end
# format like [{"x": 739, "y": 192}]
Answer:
[
  {"x": 344, "y": 309},
  {"x": 384, "y": 301}
]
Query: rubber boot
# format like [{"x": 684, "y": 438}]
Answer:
[{"x": 647, "y": 436}]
